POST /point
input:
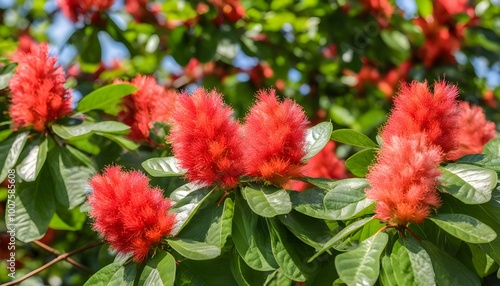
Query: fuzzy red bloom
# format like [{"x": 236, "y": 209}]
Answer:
[
  {"x": 274, "y": 139},
  {"x": 128, "y": 213},
  {"x": 205, "y": 139},
  {"x": 37, "y": 89},
  {"x": 325, "y": 164},
  {"x": 417, "y": 110},
  {"x": 475, "y": 131},
  {"x": 149, "y": 104},
  {"x": 75, "y": 10},
  {"x": 378, "y": 6},
  {"x": 404, "y": 180}
]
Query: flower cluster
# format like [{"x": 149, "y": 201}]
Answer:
[
  {"x": 419, "y": 134},
  {"x": 215, "y": 148},
  {"x": 149, "y": 104},
  {"x": 77, "y": 10},
  {"x": 128, "y": 213},
  {"x": 37, "y": 89}
]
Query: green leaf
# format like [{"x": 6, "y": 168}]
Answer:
[
  {"x": 447, "y": 270},
  {"x": 70, "y": 176},
  {"x": 159, "y": 270},
  {"x": 352, "y": 137},
  {"x": 316, "y": 139},
  {"x": 267, "y": 201},
  {"x": 361, "y": 266},
  {"x": 386, "y": 276},
  {"x": 106, "y": 98},
  {"x": 29, "y": 168},
  {"x": 65, "y": 219},
  {"x": 251, "y": 238},
  {"x": 186, "y": 207},
  {"x": 358, "y": 163},
  {"x": 205, "y": 273},
  {"x": 4, "y": 134},
  {"x": 163, "y": 167},
  {"x": 424, "y": 8},
  {"x": 311, "y": 231},
  {"x": 91, "y": 48},
  {"x": 6, "y": 73},
  {"x": 123, "y": 142},
  {"x": 492, "y": 147},
  {"x": 35, "y": 205},
  {"x": 194, "y": 250},
  {"x": 340, "y": 235},
  {"x": 244, "y": 275},
  {"x": 464, "y": 227},
  {"x": 86, "y": 128},
  {"x": 221, "y": 227},
  {"x": 310, "y": 202},
  {"x": 483, "y": 263},
  {"x": 468, "y": 183},
  {"x": 114, "y": 274},
  {"x": 411, "y": 263},
  {"x": 10, "y": 149},
  {"x": 284, "y": 253},
  {"x": 398, "y": 44},
  {"x": 278, "y": 278},
  {"x": 482, "y": 160},
  {"x": 347, "y": 199}
]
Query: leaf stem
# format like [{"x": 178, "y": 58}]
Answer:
[{"x": 68, "y": 259}]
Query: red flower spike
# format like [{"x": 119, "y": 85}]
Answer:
[
  {"x": 205, "y": 139},
  {"x": 404, "y": 180},
  {"x": 76, "y": 9},
  {"x": 128, "y": 213},
  {"x": 417, "y": 110},
  {"x": 475, "y": 131},
  {"x": 149, "y": 104},
  {"x": 274, "y": 142},
  {"x": 37, "y": 89}
]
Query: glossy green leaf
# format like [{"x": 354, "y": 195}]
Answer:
[
  {"x": 468, "y": 183},
  {"x": 31, "y": 165},
  {"x": 492, "y": 147},
  {"x": 163, "y": 167},
  {"x": 340, "y": 235},
  {"x": 186, "y": 207},
  {"x": 482, "y": 160},
  {"x": 347, "y": 199},
  {"x": 284, "y": 253},
  {"x": 203, "y": 273},
  {"x": 483, "y": 263},
  {"x": 10, "y": 149},
  {"x": 221, "y": 227},
  {"x": 65, "y": 219},
  {"x": 386, "y": 276},
  {"x": 361, "y": 266},
  {"x": 411, "y": 263},
  {"x": 251, "y": 238},
  {"x": 464, "y": 227},
  {"x": 114, "y": 274},
  {"x": 194, "y": 250},
  {"x": 35, "y": 206},
  {"x": 316, "y": 139},
  {"x": 267, "y": 201},
  {"x": 448, "y": 270},
  {"x": 310, "y": 202},
  {"x": 70, "y": 176},
  {"x": 352, "y": 137},
  {"x": 244, "y": 275},
  {"x": 313, "y": 232},
  {"x": 85, "y": 128},
  {"x": 277, "y": 278},
  {"x": 4, "y": 134},
  {"x": 159, "y": 270},
  {"x": 120, "y": 140},
  {"x": 105, "y": 98},
  {"x": 358, "y": 163}
]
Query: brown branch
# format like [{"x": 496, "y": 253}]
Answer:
[
  {"x": 68, "y": 259},
  {"x": 55, "y": 260}
]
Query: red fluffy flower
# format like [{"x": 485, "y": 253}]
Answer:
[
  {"x": 475, "y": 131},
  {"x": 378, "y": 6},
  {"x": 128, "y": 213},
  {"x": 323, "y": 165},
  {"x": 149, "y": 104},
  {"x": 77, "y": 9},
  {"x": 417, "y": 110},
  {"x": 403, "y": 182},
  {"x": 274, "y": 139},
  {"x": 37, "y": 89},
  {"x": 205, "y": 139}
]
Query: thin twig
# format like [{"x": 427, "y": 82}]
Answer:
[
  {"x": 53, "y": 261},
  {"x": 68, "y": 259}
]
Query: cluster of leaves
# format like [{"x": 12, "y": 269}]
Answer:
[{"x": 259, "y": 234}]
